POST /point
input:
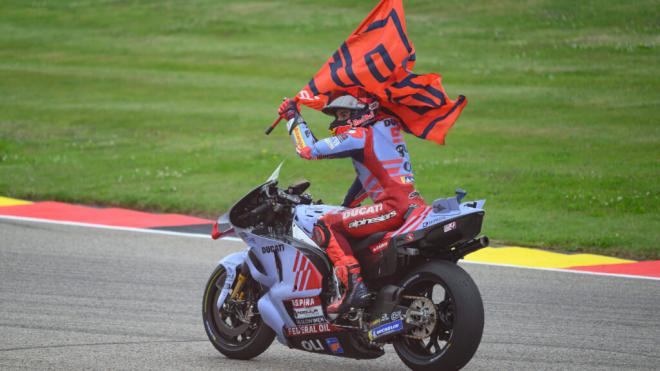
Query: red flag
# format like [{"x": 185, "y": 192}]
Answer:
[{"x": 378, "y": 57}]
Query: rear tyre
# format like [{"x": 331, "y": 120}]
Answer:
[
  {"x": 226, "y": 326},
  {"x": 452, "y": 338}
]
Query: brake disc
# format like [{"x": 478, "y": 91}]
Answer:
[
  {"x": 422, "y": 314},
  {"x": 236, "y": 327}
]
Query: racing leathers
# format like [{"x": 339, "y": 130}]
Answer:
[{"x": 384, "y": 174}]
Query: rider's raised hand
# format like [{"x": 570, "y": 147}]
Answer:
[{"x": 288, "y": 109}]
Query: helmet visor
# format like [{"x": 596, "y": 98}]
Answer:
[{"x": 341, "y": 117}]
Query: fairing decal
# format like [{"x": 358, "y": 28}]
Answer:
[{"x": 299, "y": 278}]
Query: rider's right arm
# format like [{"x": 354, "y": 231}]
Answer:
[
  {"x": 343, "y": 145},
  {"x": 300, "y": 134}
]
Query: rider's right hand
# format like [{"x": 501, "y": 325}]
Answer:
[{"x": 288, "y": 109}]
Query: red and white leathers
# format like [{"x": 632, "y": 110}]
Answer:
[{"x": 384, "y": 174}]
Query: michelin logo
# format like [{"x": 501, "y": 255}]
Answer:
[{"x": 386, "y": 329}]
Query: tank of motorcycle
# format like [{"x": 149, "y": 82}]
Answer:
[{"x": 305, "y": 216}]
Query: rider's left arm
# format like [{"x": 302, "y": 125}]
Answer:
[{"x": 355, "y": 195}]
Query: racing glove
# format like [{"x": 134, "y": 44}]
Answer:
[{"x": 288, "y": 109}]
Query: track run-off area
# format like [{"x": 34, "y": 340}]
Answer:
[
  {"x": 117, "y": 218},
  {"x": 112, "y": 296}
]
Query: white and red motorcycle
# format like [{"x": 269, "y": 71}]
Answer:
[{"x": 422, "y": 302}]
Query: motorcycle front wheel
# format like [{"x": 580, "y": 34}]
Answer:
[
  {"x": 450, "y": 302},
  {"x": 231, "y": 329}
]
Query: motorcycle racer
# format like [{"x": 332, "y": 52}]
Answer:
[{"x": 384, "y": 173}]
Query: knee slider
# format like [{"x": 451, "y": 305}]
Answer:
[{"x": 321, "y": 235}]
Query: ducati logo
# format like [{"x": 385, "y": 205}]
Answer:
[
  {"x": 362, "y": 211},
  {"x": 272, "y": 249}
]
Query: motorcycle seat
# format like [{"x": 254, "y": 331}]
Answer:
[
  {"x": 361, "y": 244},
  {"x": 364, "y": 243}
]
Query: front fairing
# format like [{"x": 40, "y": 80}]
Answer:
[{"x": 271, "y": 181}]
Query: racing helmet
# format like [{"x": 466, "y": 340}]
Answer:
[{"x": 362, "y": 112}]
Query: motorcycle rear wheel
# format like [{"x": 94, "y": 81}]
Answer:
[
  {"x": 227, "y": 333},
  {"x": 459, "y": 318}
]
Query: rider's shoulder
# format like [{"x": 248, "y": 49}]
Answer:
[
  {"x": 357, "y": 132},
  {"x": 387, "y": 122}
]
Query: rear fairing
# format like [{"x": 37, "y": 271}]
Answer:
[
  {"x": 442, "y": 213},
  {"x": 430, "y": 230}
]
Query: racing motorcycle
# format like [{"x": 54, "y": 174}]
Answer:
[{"x": 421, "y": 301}]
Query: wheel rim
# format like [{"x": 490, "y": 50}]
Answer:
[
  {"x": 437, "y": 340},
  {"x": 229, "y": 327}
]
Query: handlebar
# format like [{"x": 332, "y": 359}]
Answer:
[
  {"x": 295, "y": 199},
  {"x": 273, "y": 125},
  {"x": 277, "y": 121}
]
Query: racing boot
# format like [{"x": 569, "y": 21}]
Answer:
[{"x": 356, "y": 293}]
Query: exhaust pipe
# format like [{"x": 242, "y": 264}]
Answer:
[
  {"x": 483, "y": 241},
  {"x": 471, "y": 246}
]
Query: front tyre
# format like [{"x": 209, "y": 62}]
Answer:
[
  {"x": 454, "y": 317},
  {"x": 235, "y": 330}
]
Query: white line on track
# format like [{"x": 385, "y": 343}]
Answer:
[
  {"x": 565, "y": 270},
  {"x": 197, "y": 235},
  {"x": 100, "y": 226}
]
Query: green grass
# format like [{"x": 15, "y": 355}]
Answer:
[{"x": 161, "y": 105}]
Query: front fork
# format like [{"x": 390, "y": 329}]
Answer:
[
  {"x": 236, "y": 293},
  {"x": 234, "y": 264}
]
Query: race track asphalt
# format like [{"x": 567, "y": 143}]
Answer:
[{"x": 75, "y": 297}]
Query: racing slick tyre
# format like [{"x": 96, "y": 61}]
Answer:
[
  {"x": 450, "y": 306},
  {"x": 232, "y": 329}
]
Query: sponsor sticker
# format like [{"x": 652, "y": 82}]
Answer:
[
  {"x": 302, "y": 313},
  {"x": 313, "y": 345},
  {"x": 316, "y": 328},
  {"x": 386, "y": 329},
  {"x": 305, "y": 302},
  {"x": 449, "y": 227},
  {"x": 334, "y": 345},
  {"x": 379, "y": 246},
  {"x": 413, "y": 195},
  {"x": 407, "y": 179},
  {"x": 310, "y": 321},
  {"x": 362, "y": 120},
  {"x": 305, "y": 308},
  {"x": 300, "y": 143},
  {"x": 394, "y": 316},
  {"x": 402, "y": 150},
  {"x": 377, "y": 219},
  {"x": 332, "y": 142}
]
